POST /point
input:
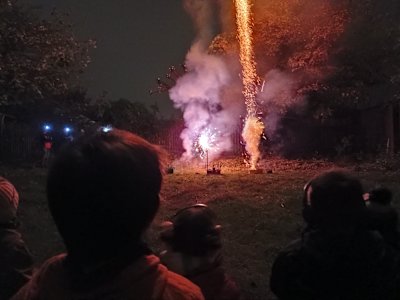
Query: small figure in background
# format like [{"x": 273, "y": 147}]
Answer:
[
  {"x": 193, "y": 243},
  {"x": 68, "y": 136},
  {"x": 47, "y": 144},
  {"x": 15, "y": 259}
]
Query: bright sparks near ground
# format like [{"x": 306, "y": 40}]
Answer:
[
  {"x": 253, "y": 126},
  {"x": 204, "y": 141},
  {"x": 207, "y": 141}
]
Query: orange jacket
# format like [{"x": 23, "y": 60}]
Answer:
[{"x": 145, "y": 279}]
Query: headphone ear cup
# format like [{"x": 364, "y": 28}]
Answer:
[
  {"x": 167, "y": 231},
  {"x": 308, "y": 212}
]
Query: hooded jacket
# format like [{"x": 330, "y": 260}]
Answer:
[
  {"x": 206, "y": 272},
  {"x": 15, "y": 262},
  {"x": 145, "y": 279},
  {"x": 358, "y": 265}
]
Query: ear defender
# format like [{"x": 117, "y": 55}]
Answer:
[
  {"x": 197, "y": 205},
  {"x": 308, "y": 212},
  {"x": 167, "y": 227},
  {"x": 193, "y": 230}
]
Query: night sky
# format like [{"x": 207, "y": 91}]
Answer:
[{"x": 137, "y": 40}]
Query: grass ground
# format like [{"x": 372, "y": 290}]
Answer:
[{"x": 260, "y": 213}]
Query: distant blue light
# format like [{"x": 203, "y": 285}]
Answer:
[
  {"x": 67, "y": 129},
  {"x": 107, "y": 128},
  {"x": 46, "y": 127}
]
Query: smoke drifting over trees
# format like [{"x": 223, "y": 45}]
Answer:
[
  {"x": 291, "y": 53},
  {"x": 292, "y": 39}
]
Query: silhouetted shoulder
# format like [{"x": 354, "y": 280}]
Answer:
[{"x": 180, "y": 288}]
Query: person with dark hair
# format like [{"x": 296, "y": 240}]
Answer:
[
  {"x": 15, "y": 259},
  {"x": 103, "y": 193},
  {"x": 382, "y": 216},
  {"x": 193, "y": 243},
  {"x": 337, "y": 257}
]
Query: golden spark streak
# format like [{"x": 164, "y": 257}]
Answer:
[
  {"x": 253, "y": 128},
  {"x": 244, "y": 27}
]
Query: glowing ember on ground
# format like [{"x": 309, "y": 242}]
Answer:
[{"x": 253, "y": 126}]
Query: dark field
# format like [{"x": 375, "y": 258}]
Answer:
[{"x": 260, "y": 213}]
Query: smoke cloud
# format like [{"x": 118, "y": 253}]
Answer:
[
  {"x": 199, "y": 92},
  {"x": 198, "y": 95},
  {"x": 204, "y": 19},
  {"x": 277, "y": 95},
  {"x": 279, "y": 89}
]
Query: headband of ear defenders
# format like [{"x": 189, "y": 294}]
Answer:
[{"x": 197, "y": 205}]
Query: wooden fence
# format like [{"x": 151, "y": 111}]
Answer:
[
  {"x": 22, "y": 143},
  {"x": 19, "y": 143}
]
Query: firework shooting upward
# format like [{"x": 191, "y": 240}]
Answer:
[
  {"x": 253, "y": 127},
  {"x": 236, "y": 67}
]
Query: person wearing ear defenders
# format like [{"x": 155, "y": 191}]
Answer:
[
  {"x": 193, "y": 241},
  {"x": 337, "y": 257}
]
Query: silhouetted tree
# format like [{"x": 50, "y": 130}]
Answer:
[
  {"x": 131, "y": 115},
  {"x": 39, "y": 59}
]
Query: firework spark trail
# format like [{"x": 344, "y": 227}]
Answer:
[
  {"x": 253, "y": 126},
  {"x": 249, "y": 74},
  {"x": 207, "y": 141}
]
